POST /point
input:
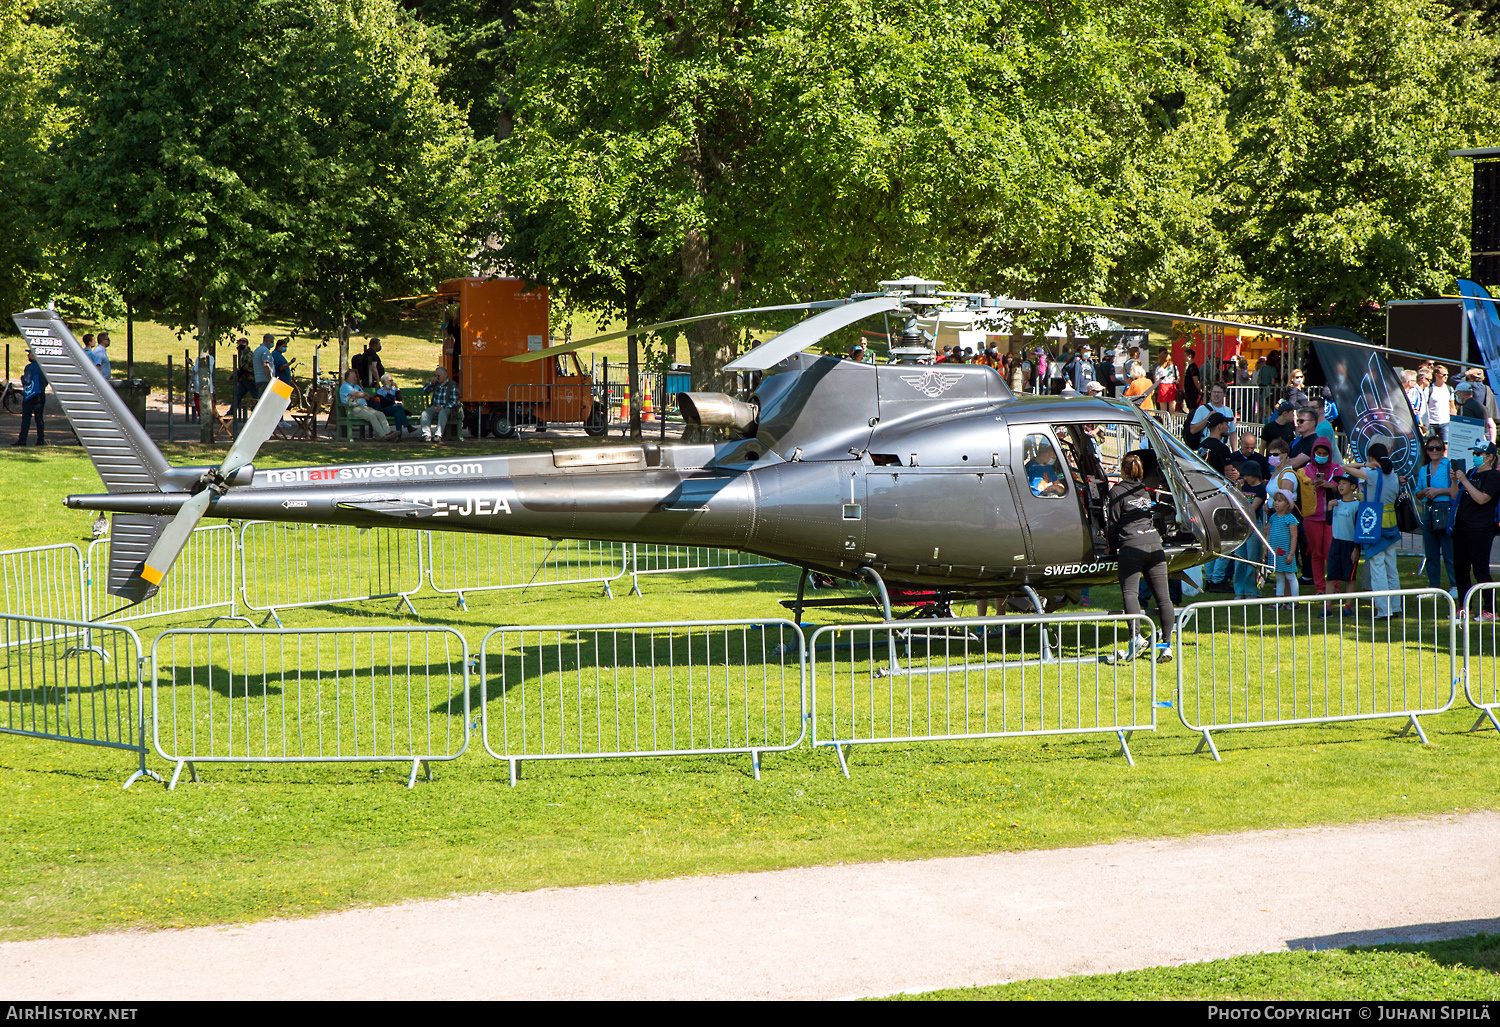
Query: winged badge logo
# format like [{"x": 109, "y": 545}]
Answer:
[{"x": 932, "y": 384}]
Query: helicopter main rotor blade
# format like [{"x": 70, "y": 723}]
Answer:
[
  {"x": 803, "y": 334},
  {"x": 570, "y": 347},
  {"x": 1161, "y": 315}
]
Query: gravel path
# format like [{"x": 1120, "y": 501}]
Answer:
[{"x": 827, "y": 932}]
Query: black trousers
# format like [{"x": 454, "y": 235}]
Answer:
[
  {"x": 1136, "y": 562},
  {"x": 34, "y": 407},
  {"x": 1471, "y": 555}
]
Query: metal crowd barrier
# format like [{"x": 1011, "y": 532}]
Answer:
[
  {"x": 597, "y": 691},
  {"x": 992, "y": 677},
  {"x": 289, "y": 565},
  {"x": 1278, "y": 662},
  {"x": 71, "y": 681},
  {"x": 651, "y": 558},
  {"x": 459, "y": 562},
  {"x": 204, "y": 577},
  {"x": 1482, "y": 653},
  {"x": 44, "y": 581},
  {"x": 314, "y": 695}
]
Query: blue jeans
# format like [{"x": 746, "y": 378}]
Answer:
[
  {"x": 1217, "y": 571},
  {"x": 1432, "y": 546},
  {"x": 1244, "y": 573}
]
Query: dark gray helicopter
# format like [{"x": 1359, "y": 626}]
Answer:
[{"x": 916, "y": 475}]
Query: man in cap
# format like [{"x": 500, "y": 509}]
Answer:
[
  {"x": 1080, "y": 370},
  {"x": 1483, "y": 392},
  {"x": 1217, "y": 576},
  {"x": 1214, "y": 449},
  {"x": 1470, "y": 407},
  {"x": 1105, "y": 370},
  {"x": 1282, "y": 425},
  {"x": 857, "y": 353}
]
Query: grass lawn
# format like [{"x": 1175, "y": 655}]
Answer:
[
  {"x": 80, "y": 855},
  {"x": 1457, "y": 970}
]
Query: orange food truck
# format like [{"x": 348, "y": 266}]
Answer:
[{"x": 486, "y": 320}]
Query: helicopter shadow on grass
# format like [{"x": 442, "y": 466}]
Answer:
[
  {"x": 56, "y": 693},
  {"x": 571, "y": 655}
]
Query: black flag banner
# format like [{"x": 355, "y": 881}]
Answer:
[{"x": 1372, "y": 404}]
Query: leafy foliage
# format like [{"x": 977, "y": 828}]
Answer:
[
  {"x": 769, "y": 150},
  {"x": 227, "y": 154},
  {"x": 29, "y": 54},
  {"x": 1341, "y": 193}
]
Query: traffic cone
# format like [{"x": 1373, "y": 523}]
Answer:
[
  {"x": 624, "y": 405},
  {"x": 648, "y": 413}
]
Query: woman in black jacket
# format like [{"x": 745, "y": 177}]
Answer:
[{"x": 1132, "y": 535}]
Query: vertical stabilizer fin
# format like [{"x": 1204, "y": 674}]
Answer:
[{"x": 122, "y": 452}]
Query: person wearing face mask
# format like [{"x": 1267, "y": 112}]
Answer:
[{"x": 1320, "y": 473}]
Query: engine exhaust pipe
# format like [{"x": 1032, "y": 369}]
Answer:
[{"x": 716, "y": 410}]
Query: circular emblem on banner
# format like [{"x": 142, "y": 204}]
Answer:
[{"x": 1379, "y": 426}]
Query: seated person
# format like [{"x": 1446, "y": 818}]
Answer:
[
  {"x": 388, "y": 399},
  {"x": 1044, "y": 473},
  {"x": 443, "y": 404},
  {"x": 358, "y": 405}
]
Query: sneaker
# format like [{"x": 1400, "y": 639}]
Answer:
[
  {"x": 1164, "y": 654},
  {"x": 1142, "y": 647},
  {"x": 1453, "y": 592}
]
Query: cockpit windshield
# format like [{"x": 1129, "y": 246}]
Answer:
[{"x": 1185, "y": 458}]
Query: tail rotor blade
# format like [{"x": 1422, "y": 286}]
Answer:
[
  {"x": 263, "y": 421},
  {"x": 174, "y": 536}
]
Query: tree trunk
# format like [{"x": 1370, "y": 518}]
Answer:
[
  {"x": 713, "y": 343},
  {"x": 633, "y": 363},
  {"x": 206, "y": 406},
  {"x": 343, "y": 339}
]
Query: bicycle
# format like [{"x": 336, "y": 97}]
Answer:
[
  {"x": 11, "y": 397},
  {"x": 306, "y": 392}
]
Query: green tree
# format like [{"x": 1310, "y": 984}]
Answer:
[
  {"x": 1340, "y": 194},
  {"x": 29, "y": 55},
  {"x": 388, "y": 188},
  {"x": 767, "y": 150},
  {"x": 225, "y": 151}
]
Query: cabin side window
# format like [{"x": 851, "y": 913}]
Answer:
[{"x": 1044, "y": 470}]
